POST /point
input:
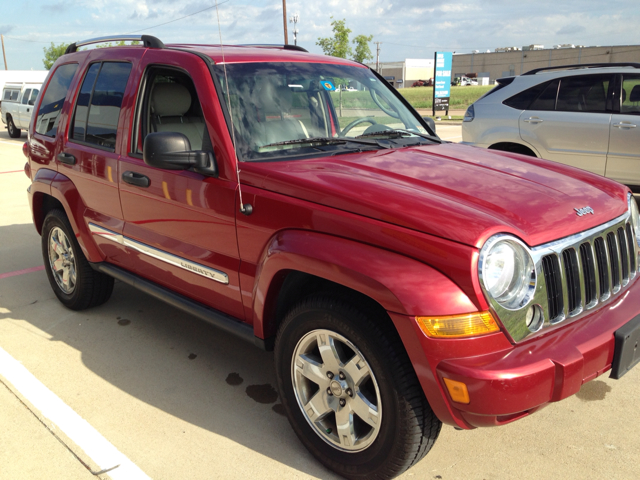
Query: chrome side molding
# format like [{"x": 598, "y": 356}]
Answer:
[{"x": 193, "y": 267}]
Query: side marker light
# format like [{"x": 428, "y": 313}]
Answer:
[{"x": 457, "y": 390}]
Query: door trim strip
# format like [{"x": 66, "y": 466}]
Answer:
[{"x": 188, "y": 265}]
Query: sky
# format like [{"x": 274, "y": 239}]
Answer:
[{"x": 407, "y": 29}]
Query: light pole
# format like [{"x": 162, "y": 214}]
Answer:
[
  {"x": 295, "y": 18},
  {"x": 284, "y": 20}
]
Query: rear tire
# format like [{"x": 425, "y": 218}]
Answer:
[
  {"x": 75, "y": 283},
  {"x": 328, "y": 344},
  {"x": 13, "y": 131}
]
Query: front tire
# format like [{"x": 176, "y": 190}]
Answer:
[
  {"x": 75, "y": 283},
  {"x": 349, "y": 390},
  {"x": 14, "y": 132}
]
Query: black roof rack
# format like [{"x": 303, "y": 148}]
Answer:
[
  {"x": 147, "y": 40},
  {"x": 297, "y": 48},
  {"x": 584, "y": 65}
]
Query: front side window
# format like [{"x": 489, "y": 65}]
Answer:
[
  {"x": 295, "y": 109},
  {"x": 54, "y": 95},
  {"x": 95, "y": 119},
  {"x": 170, "y": 104},
  {"x": 630, "y": 95}
]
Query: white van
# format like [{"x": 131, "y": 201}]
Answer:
[{"x": 17, "y": 104}]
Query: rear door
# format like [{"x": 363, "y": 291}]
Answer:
[
  {"x": 27, "y": 105},
  {"x": 623, "y": 159},
  {"x": 89, "y": 157},
  {"x": 21, "y": 109},
  {"x": 569, "y": 121}
]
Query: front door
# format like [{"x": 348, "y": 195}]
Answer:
[
  {"x": 623, "y": 160},
  {"x": 179, "y": 224}
]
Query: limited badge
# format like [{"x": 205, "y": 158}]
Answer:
[{"x": 327, "y": 85}]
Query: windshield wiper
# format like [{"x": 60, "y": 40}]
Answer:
[
  {"x": 323, "y": 141},
  {"x": 398, "y": 133}
]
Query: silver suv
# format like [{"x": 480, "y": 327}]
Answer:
[{"x": 586, "y": 116}]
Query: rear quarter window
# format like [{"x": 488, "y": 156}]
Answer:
[
  {"x": 51, "y": 105},
  {"x": 522, "y": 100}
]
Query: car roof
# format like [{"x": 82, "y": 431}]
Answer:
[{"x": 259, "y": 53}]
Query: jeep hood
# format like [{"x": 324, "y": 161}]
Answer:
[{"x": 461, "y": 193}]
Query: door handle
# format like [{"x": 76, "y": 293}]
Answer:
[
  {"x": 624, "y": 125},
  {"x": 136, "y": 179},
  {"x": 66, "y": 158},
  {"x": 533, "y": 120},
  {"x": 27, "y": 110}
]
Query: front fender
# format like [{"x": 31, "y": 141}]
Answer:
[{"x": 398, "y": 283}]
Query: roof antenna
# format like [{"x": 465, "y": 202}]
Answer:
[{"x": 245, "y": 209}]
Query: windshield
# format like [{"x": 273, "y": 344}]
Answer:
[{"x": 276, "y": 107}]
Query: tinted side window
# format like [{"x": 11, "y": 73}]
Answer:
[
  {"x": 14, "y": 95},
  {"x": 25, "y": 96},
  {"x": 630, "y": 95},
  {"x": 54, "y": 95},
  {"x": 99, "y": 102},
  {"x": 34, "y": 96},
  {"x": 584, "y": 93},
  {"x": 79, "y": 122},
  {"x": 522, "y": 100},
  {"x": 547, "y": 99}
]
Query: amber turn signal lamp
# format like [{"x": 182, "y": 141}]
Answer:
[
  {"x": 458, "y": 326},
  {"x": 457, "y": 390}
]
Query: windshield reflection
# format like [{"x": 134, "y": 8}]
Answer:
[{"x": 276, "y": 106}]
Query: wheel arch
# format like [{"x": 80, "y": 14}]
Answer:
[
  {"x": 298, "y": 263},
  {"x": 51, "y": 190},
  {"x": 514, "y": 147}
]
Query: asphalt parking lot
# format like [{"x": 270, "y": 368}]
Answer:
[{"x": 142, "y": 387}]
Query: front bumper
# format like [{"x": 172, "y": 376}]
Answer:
[{"x": 507, "y": 382}]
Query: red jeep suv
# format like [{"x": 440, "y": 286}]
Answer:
[{"x": 403, "y": 281}]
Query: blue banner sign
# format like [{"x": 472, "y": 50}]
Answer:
[{"x": 442, "y": 87}]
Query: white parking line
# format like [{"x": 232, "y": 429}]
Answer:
[
  {"x": 12, "y": 143},
  {"x": 98, "y": 448}
]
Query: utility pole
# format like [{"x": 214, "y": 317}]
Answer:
[
  {"x": 295, "y": 18},
  {"x": 378, "y": 56},
  {"x": 284, "y": 18},
  {"x": 3, "y": 53}
]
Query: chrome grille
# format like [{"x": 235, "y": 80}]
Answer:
[{"x": 592, "y": 269}]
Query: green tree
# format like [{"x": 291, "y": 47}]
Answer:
[
  {"x": 52, "y": 53},
  {"x": 363, "y": 52},
  {"x": 338, "y": 45}
]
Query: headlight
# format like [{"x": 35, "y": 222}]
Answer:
[
  {"x": 635, "y": 220},
  {"x": 507, "y": 271}
]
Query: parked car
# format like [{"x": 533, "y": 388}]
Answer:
[
  {"x": 580, "y": 115},
  {"x": 466, "y": 81},
  {"x": 16, "y": 109},
  {"x": 403, "y": 281},
  {"x": 423, "y": 83}
]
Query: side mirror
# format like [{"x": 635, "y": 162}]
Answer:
[
  {"x": 431, "y": 122},
  {"x": 32, "y": 102},
  {"x": 172, "y": 151}
]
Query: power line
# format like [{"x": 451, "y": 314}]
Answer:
[
  {"x": 136, "y": 31},
  {"x": 181, "y": 18}
]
